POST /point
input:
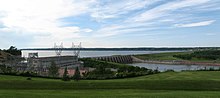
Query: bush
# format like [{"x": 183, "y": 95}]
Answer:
[
  {"x": 170, "y": 70},
  {"x": 29, "y": 78},
  {"x": 28, "y": 74}
]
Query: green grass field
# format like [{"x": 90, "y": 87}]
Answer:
[
  {"x": 103, "y": 93},
  {"x": 194, "y": 84}
]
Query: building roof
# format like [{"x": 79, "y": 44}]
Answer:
[{"x": 53, "y": 57}]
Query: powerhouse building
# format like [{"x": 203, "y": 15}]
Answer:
[{"x": 40, "y": 65}]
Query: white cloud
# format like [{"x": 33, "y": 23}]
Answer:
[
  {"x": 112, "y": 9},
  {"x": 41, "y": 17},
  {"x": 211, "y": 34},
  {"x": 143, "y": 22},
  {"x": 165, "y": 10},
  {"x": 87, "y": 30},
  {"x": 203, "y": 23},
  {"x": 160, "y": 17},
  {"x": 112, "y": 30}
]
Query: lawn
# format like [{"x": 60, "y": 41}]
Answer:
[
  {"x": 110, "y": 93},
  {"x": 190, "y": 84}
]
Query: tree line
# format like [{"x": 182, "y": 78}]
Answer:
[
  {"x": 207, "y": 54},
  {"x": 103, "y": 70},
  {"x": 13, "y": 50}
]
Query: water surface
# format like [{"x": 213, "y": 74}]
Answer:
[
  {"x": 47, "y": 53},
  {"x": 164, "y": 67}
]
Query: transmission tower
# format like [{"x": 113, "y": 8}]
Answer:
[
  {"x": 58, "y": 49},
  {"x": 76, "y": 49}
]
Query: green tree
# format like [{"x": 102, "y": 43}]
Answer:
[
  {"x": 65, "y": 75},
  {"x": 5, "y": 69},
  {"x": 77, "y": 75},
  {"x": 53, "y": 70},
  {"x": 13, "y": 50}
]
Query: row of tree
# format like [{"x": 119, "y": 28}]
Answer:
[
  {"x": 8, "y": 70},
  {"x": 207, "y": 54}
]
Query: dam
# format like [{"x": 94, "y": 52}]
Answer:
[{"x": 123, "y": 59}]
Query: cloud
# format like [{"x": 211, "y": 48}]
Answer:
[
  {"x": 165, "y": 10},
  {"x": 40, "y": 18},
  {"x": 197, "y": 24},
  {"x": 41, "y": 21},
  {"x": 162, "y": 16},
  {"x": 117, "y": 29},
  {"x": 107, "y": 10},
  {"x": 210, "y": 34}
]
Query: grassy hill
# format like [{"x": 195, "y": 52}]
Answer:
[
  {"x": 196, "y": 56},
  {"x": 192, "y": 84}
]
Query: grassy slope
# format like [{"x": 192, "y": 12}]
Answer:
[
  {"x": 164, "y": 85},
  {"x": 169, "y": 56},
  {"x": 160, "y": 56},
  {"x": 163, "y": 81}
]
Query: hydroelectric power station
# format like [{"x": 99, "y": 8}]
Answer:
[{"x": 40, "y": 65}]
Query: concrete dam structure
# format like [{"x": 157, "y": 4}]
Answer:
[{"x": 124, "y": 59}]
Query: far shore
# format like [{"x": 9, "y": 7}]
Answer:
[{"x": 174, "y": 62}]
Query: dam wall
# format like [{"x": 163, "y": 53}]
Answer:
[{"x": 124, "y": 59}]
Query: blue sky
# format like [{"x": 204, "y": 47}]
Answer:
[{"x": 110, "y": 23}]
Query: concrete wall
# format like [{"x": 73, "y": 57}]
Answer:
[{"x": 124, "y": 59}]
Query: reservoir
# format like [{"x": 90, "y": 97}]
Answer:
[{"x": 91, "y": 53}]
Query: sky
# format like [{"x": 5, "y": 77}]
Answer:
[{"x": 110, "y": 23}]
